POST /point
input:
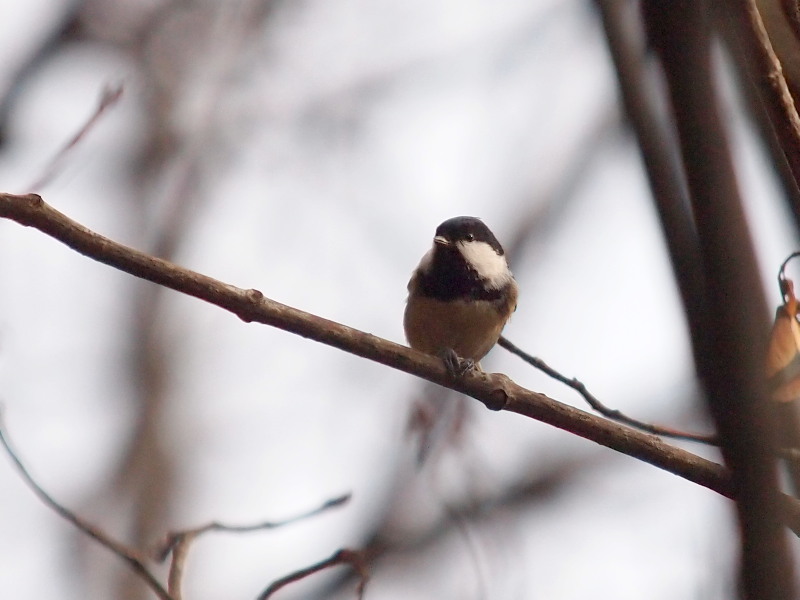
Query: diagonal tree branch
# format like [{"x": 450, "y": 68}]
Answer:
[
  {"x": 496, "y": 391},
  {"x": 758, "y": 104},
  {"x": 764, "y": 69}
]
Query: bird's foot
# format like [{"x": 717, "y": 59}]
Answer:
[{"x": 456, "y": 366}]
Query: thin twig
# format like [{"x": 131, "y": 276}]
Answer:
[
  {"x": 164, "y": 548},
  {"x": 604, "y": 410},
  {"x": 341, "y": 557},
  {"x": 109, "y": 97},
  {"x": 130, "y": 557},
  {"x": 178, "y": 543}
]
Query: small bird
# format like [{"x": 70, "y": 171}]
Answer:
[{"x": 460, "y": 296}]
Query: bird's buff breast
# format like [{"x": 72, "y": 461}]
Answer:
[{"x": 468, "y": 328}]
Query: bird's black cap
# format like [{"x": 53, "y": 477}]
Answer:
[{"x": 468, "y": 228}]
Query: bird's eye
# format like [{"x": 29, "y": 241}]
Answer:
[{"x": 469, "y": 237}]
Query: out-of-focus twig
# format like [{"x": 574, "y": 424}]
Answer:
[
  {"x": 657, "y": 142},
  {"x": 340, "y": 557},
  {"x": 108, "y": 98},
  {"x": 604, "y": 410},
  {"x": 130, "y": 557},
  {"x": 66, "y": 28},
  {"x": 536, "y": 217}
]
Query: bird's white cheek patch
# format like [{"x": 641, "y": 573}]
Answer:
[{"x": 489, "y": 265}]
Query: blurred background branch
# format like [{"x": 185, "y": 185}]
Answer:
[{"x": 729, "y": 342}]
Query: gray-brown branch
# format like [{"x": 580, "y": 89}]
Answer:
[{"x": 496, "y": 391}]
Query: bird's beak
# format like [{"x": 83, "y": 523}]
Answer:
[{"x": 441, "y": 241}]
